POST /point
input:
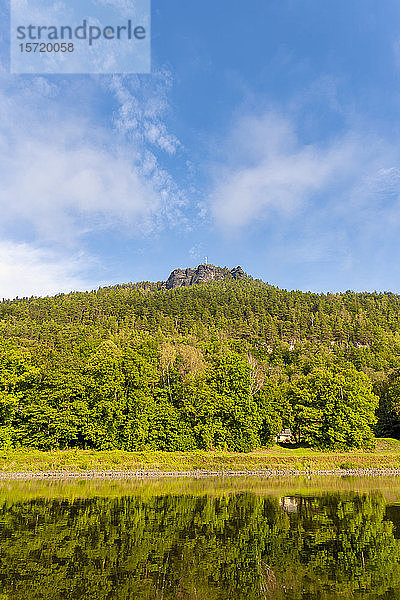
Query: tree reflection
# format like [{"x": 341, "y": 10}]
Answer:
[{"x": 235, "y": 547}]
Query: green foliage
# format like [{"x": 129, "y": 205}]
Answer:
[
  {"x": 17, "y": 375},
  {"x": 216, "y": 366},
  {"x": 333, "y": 409},
  {"x": 274, "y": 410}
]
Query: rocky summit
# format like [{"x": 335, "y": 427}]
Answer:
[{"x": 202, "y": 274}]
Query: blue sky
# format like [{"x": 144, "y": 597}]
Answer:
[{"x": 267, "y": 135}]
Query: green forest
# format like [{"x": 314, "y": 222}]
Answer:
[{"x": 222, "y": 365}]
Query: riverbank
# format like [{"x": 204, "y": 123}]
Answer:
[
  {"x": 198, "y": 474},
  {"x": 276, "y": 460}
]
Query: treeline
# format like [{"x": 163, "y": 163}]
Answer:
[
  {"x": 246, "y": 309},
  {"x": 223, "y": 365}
]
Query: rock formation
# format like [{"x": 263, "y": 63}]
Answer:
[{"x": 203, "y": 274}]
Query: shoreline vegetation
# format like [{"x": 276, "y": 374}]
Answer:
[
  {"x": 273, "y": 462},
  {"x": 225, "y": 364},
  {"x": 204, "y": 377}
]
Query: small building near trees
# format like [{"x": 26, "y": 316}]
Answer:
[{"x": 285, "y": 436}]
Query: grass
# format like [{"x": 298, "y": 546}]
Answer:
[{"x": 385, "y": 455}]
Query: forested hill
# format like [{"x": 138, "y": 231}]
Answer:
[
  {"x": 208, "y": 365},
  {"x": 245, "y": 309}
]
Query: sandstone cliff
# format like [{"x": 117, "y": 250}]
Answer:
[{"x": 202, "y": 274}]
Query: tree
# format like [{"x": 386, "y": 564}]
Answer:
[
  {"x": 17, "y": 376},
  {"x": 235, "y": 406},
  {"x": 333, "y": 409},
  {"x": 106, "y": 397},
  {"x": 274, "y": 409}
]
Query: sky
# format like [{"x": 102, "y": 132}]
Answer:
[{"x": 267, "y": 135}]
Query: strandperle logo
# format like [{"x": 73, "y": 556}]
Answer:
[
  {"x": 82, "y": 32},
  {"x": 81, "y": 36}
]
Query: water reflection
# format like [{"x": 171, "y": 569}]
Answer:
[{"x": 207, "y": 547}]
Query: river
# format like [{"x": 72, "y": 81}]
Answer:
[{"x": 215, "y": 539}]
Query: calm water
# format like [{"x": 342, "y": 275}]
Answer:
[{"x": 209, "y": 540}]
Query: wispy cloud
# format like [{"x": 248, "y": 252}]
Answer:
[
  {"x": 269, "y": 173},
  {"x": 67, "y": 172},
  {"x": 26, "y": 270},
  {"x": 62, "y": 191},
  {"x": 140, "y": 120},
  {"x": 127, "y": 8},
  {"x": 142, "y": 110},
  {"x": 63, "y": 175}
]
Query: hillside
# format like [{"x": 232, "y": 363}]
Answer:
[
  {"x": 244, "y": 308},
  {"x": 218, "y": 361}
]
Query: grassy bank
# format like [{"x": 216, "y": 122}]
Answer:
[{"x": 386, "y": 455}]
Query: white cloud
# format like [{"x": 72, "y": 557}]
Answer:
[
  {"x": 127, "y": 8},
  {"x": 270, "y": 173},
  {"x": 142, "y": 110},
  {"x": 196, "y": 252},
  {"x": 26, "y": 270},
  {"x": 68, "y": 171},
  {"x": 140, "y": 119},
  {"x": 62, "y": 176},
  {"x": 62, "y": 190}
]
